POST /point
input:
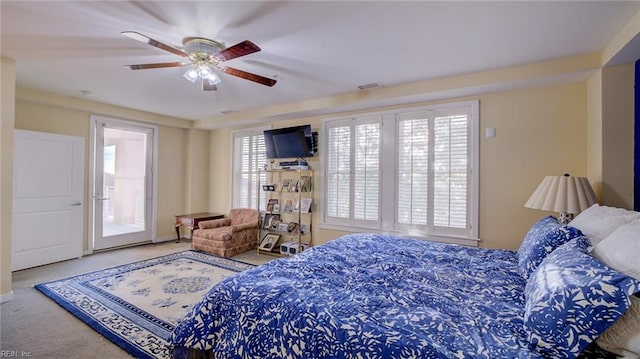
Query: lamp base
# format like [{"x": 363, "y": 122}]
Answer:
[{"x": 565, "y": 217}]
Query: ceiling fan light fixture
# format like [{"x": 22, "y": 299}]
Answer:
[
  {"x": 191, "y": 75},
  {"x": 202, "y": 71},
  {"x": 213, "y": 78},
  {"x": 211, "y": 82}
]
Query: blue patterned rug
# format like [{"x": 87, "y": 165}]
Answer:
[{"x": 137, "y": 305}]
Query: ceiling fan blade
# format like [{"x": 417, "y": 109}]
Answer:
[
  {"x": 147, "y": 40},
  {"x": 249, "y": 76},
  {"x": 156, "y": 66},
  {"x": 244, "y": 48}
]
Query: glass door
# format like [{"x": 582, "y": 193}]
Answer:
[{"x": 122, "y": 183}]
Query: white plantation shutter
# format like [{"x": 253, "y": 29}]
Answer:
[
  {"x": 451, "y": 171},
  {"x": 422, "y": 183},
  {"x": 353, "y": 162},
  {"x": 366, "y": 181},
  {"x": 338, "y": 179},
  {"x": 249, "y": 156},
  {"x": 413, "y": 170},
  {"x": 434, "y": 171}
]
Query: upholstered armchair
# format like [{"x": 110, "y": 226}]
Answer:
[{"x": 235, "y": 233}]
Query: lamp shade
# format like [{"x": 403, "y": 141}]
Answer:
[{"x": 564, "y": 194}]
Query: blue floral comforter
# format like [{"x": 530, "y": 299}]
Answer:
[{"x": 367, "y": 296}]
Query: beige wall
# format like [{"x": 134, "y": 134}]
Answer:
[
  {"x": 220, "y": 171},
  {"x": 182, "y": 153},
  {"x": 197, "y": 174},
  {"x": 172, "y": 187},
  {"x": 610, "y": 137},
  {"x": 540, "y": 131},
  {"x": 618, "y": 135},
  {"x": 594, "y": 132},
  {"x": 7, "y": 119}
]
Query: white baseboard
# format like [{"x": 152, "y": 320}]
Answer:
[
  {"x": 165, "y": 239},
  {"x": 157, "y": 240},
  {"x": 6, "y": 297}
]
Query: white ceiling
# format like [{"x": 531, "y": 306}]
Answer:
[{"x": 314, "y": 49}]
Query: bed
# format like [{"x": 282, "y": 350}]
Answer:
[{"x": 380, "y": 296}]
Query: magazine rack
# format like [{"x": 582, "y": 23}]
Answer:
[{"x": 285, "y": 204}]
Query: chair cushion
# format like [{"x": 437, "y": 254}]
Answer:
[
  {"x": 244, "y": 226},
  {"x": 213, "y": 223},
  {"x": 215, "y": 234},
  {"x": 243, "y": 215}
]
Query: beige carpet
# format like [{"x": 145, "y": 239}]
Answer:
[{"x": 35, "y": 325}]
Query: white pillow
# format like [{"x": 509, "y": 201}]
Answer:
[
  {"x": 621, "y": 251},
  {"x": 623, "y": 337},
  {"x": 597, "y": 222}
]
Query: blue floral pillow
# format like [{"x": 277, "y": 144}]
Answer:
[
  {"x": 572, "y": 298},
  {"x": 545, "y": 236}
]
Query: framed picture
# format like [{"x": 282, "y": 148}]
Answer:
[
  {"x": 268, "y": 187},
  {"x": 304, "y": 184},
  {"x": 276, "y": 208},
  {"x": 282, "y": 227},
  {"x": 274, "y": 224},
  {"x": 269, "y": 241},
  {"x": 271, "y": 203},
  {"x": 288, "y": 206},
  {"x": 268, "y": 219},
  {"x": 285, "y": 185},
  {"x": 292, "y": 227},
  {"x": 305, "y": 205}
]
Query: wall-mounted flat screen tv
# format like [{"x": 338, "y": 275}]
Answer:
[{"x": 290, "y": 142}]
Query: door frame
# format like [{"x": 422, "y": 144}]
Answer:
[{"x": 92, "y": 190}]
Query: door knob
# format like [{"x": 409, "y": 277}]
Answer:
[{"x": 76, "y": 203}]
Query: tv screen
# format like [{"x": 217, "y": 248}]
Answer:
[{"x": 290, "y": 142}]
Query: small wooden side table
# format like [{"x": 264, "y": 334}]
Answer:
[{"x": 191, "y": 220}]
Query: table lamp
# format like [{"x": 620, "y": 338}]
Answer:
[{"x": 565, "y": 194}]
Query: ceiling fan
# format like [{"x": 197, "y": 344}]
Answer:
[{"x": 204, "y": 56}]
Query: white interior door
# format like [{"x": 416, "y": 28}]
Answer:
[
  {"x": 48, "y": 187},
  {"x": 123, "y": 155}
]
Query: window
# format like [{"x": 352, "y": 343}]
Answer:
[
  {"x": 249, "y": 156},
  {"x": 409, "y": 171}
]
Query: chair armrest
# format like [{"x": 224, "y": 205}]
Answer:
[
  {"x": 243, "y": 226},
  {"x": 220, "y": 222}
]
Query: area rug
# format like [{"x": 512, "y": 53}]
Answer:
[{"x": 137, "y": 305}]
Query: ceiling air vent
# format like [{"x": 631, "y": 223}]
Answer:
[{"x": 374, "y": 85}]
